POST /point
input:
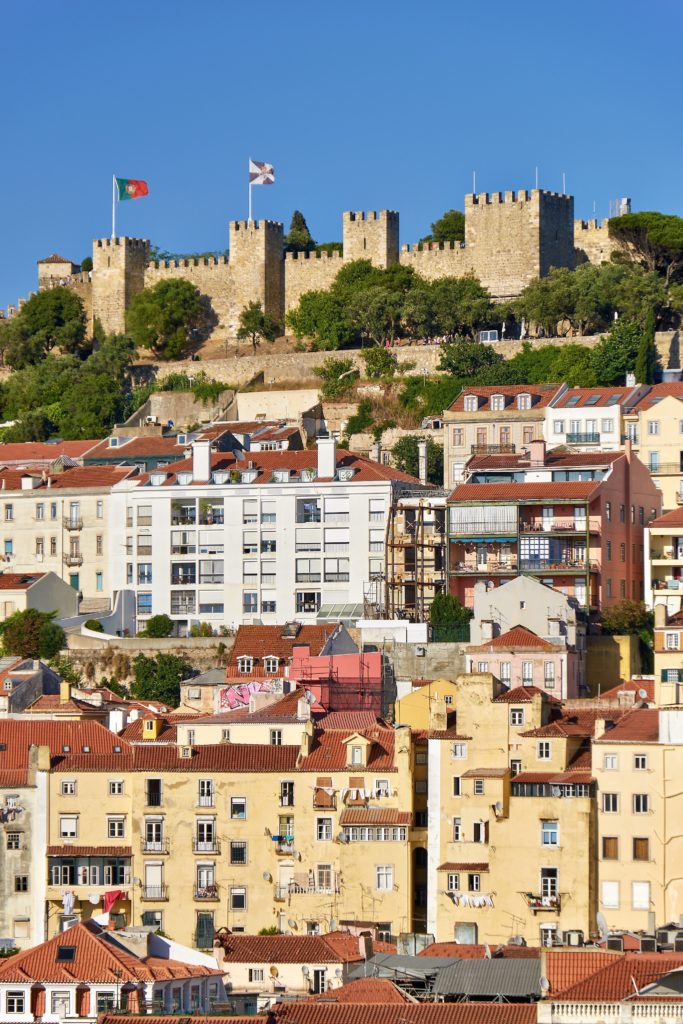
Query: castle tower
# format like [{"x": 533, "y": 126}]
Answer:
[
  {"x": 118, "y": 273},
  {"x": 256, "y": 268},
  {"x": 518, "y": 236},
  {"x": 371, "y": 236}
]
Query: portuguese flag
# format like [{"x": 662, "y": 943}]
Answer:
[{"x": 131, "y": 188}]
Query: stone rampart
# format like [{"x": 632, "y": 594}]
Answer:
[
  {"x": 211, "y": 276},
  {"x": 592, "y": 242},
  {"x": 306, "y": 272},
  {"x": 433, "y": 260}
]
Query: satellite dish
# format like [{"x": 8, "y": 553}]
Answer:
[
  {"x": 642, "y": 693},
  {"x": 305, "y": 971},
  {"x": 342, "y": 837},
  {"x": 338, "y": 973},
  {"x": 292, "y": 923},
  {"x": 94, "y": 898},
  {"x": 267, "y": 877},
  {"x": 556, "y": 790},
  {"x": 602, "y": 925},
  {"x": 545, "y": 984},
  {"x": 498, "y": 807},
  {"x": 333, "y": 924},
  {"x": 487, "y": 951},
  {"x": 274, "y": 971},
  {"x": 310, "y": 697}
]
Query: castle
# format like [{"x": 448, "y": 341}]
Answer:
[{"x": 511, "y": 238}]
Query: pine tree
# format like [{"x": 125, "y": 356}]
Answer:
[
  {"x": 646, "y": 360},
  {"x": 299, "y": 238}
]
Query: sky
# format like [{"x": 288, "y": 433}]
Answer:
[{"x": 358, "y": 104}]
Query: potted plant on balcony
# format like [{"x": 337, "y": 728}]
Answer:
[{"x": 206, "y": 511}]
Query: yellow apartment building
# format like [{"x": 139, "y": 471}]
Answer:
[
  {"x": 655, "y": 426},
  {"x": 664, "y": 595},
  {"x": 190, "y": 837},
  {"x": 638, "y": 765},
  {"x": 493, "y": 420}
]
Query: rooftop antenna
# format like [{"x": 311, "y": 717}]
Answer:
[
  {"x": 537, "y": 179},
  {"x": 564, "y": 184},
  {"x": 474, "y": 182},
  {"x": 593, "y": 209}
]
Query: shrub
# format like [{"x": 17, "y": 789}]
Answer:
[{"x": 95, "y": 625}]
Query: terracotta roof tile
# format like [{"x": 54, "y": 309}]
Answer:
[
  {"x": 258, "y": 642},
  {"x": 351, "y": 720},
  {"x": 656, "y": 393},
  {"x": 518, "y": 637},
  {"x": 335, "y": 947},
  {"x": 541, "y": 395},
  {"x": 576, "y": 722},
  {"x": 546, "y": 490},
  {"x": 672, "y": 519},
  {"x": 375, "y": 816},
  {"x": 639, "y": 725},
  {"x": 486, "y": 773},
  {"x": 55, "y": 258},
  {"x": 17, "y": 735},
  {"x": 629, "y": 686},
  {"x": 462, "y": 866},
  {"x": 465, "y": 951},
  {"x": 555, "y": 778},
  {"x": 309, "y": 1012},
  {"x": 565, "y": 968},
  {"x": 330, "y": 753},
  {"x": 615, "y": 981},
  {"x": 522, "y": 695},
  {"x": 28, "y": 452},
  {"x": 566, "y": 401},
  {"x": 89, "y": 851},
  {"x": 74, "y": 478},
  {"x": 561, "y": 456},
  {"x": 19, "y": 580},
  {"x": 364, "y": 990}
]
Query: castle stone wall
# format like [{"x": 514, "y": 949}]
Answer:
[
  {"x": 210, "y": 276},
  {"x": 592, "y": 242},
  {"x": 118, "y": 274},
  {"x": 433, "y": 260},
  {"x": 371, "y": 236},
  {"x": 305, "y": 272}
]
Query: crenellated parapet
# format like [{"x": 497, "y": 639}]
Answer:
[{"x": 324, "y": 255}]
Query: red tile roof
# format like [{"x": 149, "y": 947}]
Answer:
[
  {"x": 555, "y": 778},
  {"x": 615, "y": 981},
  {"x": 656, "y": 393},
  {"x": 543, "y": 491},
  {"x": 19, "y": 580},
  {"x": 56, "y": 258},
  {"x": 639, "y": 725},
  {"x": 97, "y": 958},
  {"x": 352, "y": 720},
  {"x": 465, "y": 951},
  {"x": 462, "y": 866},
  {"x": 258, "y": 642},
  {"x": 519, "y": 637},
  {"x": 281, "y": 709},
  {"x": 25, "y": 453},
  {"x": 485, "y": 773},
  {"x": 603, "y": 395},
  {"x": 18, "y": 735},
  {"x": 541, "y": 395},
  {"x": 50, "y": 703},
  {"x": 565, "y": 968},
  {"x": 576, "y": 722},
  {"x": 309, "y": 1012},
  {"x": 669, "y": 519},
  {"x": 330, "y": 752},
  {"x": 522, "y": 695},
  {"x": 132, "y": 447},
  {"x": 375, "y": 816},
  {"x": 75, "y": 478},
  {"x": 335, "y": 947},
  {"x": 168, "y": 732},
  {"x": 554, "y": 458},
  {"x": 629, "y": 686},
  {"x": 364, "y": 990},
  {"x": 89, "y": 851}
]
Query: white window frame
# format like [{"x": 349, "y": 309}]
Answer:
[
  {"x": 384, "y": 877},
  {"x": 544, "y": 750}
]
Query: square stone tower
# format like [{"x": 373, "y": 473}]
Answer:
[
  {"x": 118, "y": 274},
  {"x": 256, "y": 268},
  {"x": 371, "y": 236}
]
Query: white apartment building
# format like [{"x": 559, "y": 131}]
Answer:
[
  {"x": 590, "y": 419},
  {"x": 244, "y": 537}
]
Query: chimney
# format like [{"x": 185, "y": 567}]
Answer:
[
  {"x": 327, "y": 457},
  {"x": 660, "y": 615},
  {"x": 201, "y": 461},
  {"x": 306, "y": 740},
  {"x": 537, "y": 452},
  {"x": 631, "y": 380},
  {"x": 365, "y": 946},
  {"x": 438, "y": 715},
  {"x": 628, "y": 449},
  {"x": 64, "y": 691},
  {"x": 422, "y": 461},
  {"x": 376, "y": 451}
]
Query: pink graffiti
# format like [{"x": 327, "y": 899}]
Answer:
[{"x": 232, "y": 697}]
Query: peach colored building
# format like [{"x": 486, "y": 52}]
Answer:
[
  {"x": 573, "y": 520},
  {"x": 520, "y": 657}
]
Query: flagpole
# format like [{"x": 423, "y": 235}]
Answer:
[
  {"x": 113, "y": 206},
  {"x": 249, "y": 177}
]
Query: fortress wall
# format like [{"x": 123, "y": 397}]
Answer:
[
  {"x": 210, "y": 276},
  {"x": 433, "y": 260},
  {"x": 306, "y": 272},
  {"x": 592, "y": 243}
]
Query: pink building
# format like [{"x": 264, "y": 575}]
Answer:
[
  {"x": 341, "y": 682},
  {"x": 521, "y": 658},
  {"x": 574, "y": 520}
]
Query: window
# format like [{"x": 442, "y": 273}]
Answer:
[
  {"x": 672, "y": 641},
  {"x": 384, "y": 877},
  {"x": 610, "y": 803},
  {"x": 14, "y": 840},
  {"x": 517, "y": 716},
  {"x": 205, "y": 796},
  {"x": 479, "y": 788},
  {"x": 255, "y": 974},
  {"x": 238, "y": 807},
  {"x": 357, "y": 755},
  {"x": 610, "y": 762},
  {"x": 250, "y": 603},
  {"x": 286, "y": 794},
  {"x": 459, "y": 750},
  {"x": 21, "y": 883},
  {"x": 505, "y": 671},
  {"x": 457, "y": 830},
  {"x": 270, "y": 664},
  {"x": 307, "y": 602},
  {"x": 471, "y": 403},
  {"x": 607, "y": 426},
  {"x": 558, "y": 426},
  {"x": 550, "y": 833},
  {"x": 527, "y": 673},
  {"x": 323, "y": 828},
  {"x": 53, "y": 545},
  {"x": 105, "y": 1001},
  {"x": 515, "y": 766},
  {"x": 245, "y": 664},
  {"x": 549, "y": 675},
  {"x": 482, "y": 666},
  {"x": 99, "y": 582},
  {"x": 653, "y": 426},
  {"x": 641, "y": 803},
  {"x": 238, "y": 852},
  {"x": 453, "y": 882},
  {"x": 40, "y": 546},
  {"x": 60, "y": 1003},
  {"x": 641, "y": 848},
  {"x": 457, "y": 437},
  {"x": 68, "y": 826},
  {"x": 640, "y": 895},
  {"x": 610, "y": 848},
  {"x": 550, "y": 882},
  {"x": 116, "y": 828},
  {"x": 456, "y": 785},
  {"x": 381, "y": 787},
  {"x": 15, "y": 1002},
  {"x": 115, "y": 787},
  {"x": 640, "y": 762},
  {"x": 276, "y": 737},
  {"x": 144, "y": 604},
  {"x": 474, "y": 882},
  {"x": 100, "y": 509},
  {"x": 622, "y": 513},
  {"x": 68, "y": 787},
  {"x": 608, "y": 588},
  {"x": 543, "y": 750},
  {"x": 524, "y": 402},
  {"x": 609, "y": 550},
  {"x": 622, "y": 552},
  {"x": 238, "y": 897},
  {"x": 608, "y": 511},
  {"x": 479, "y": 832}
]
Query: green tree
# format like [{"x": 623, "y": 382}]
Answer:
[
  {"x": 450, "y": 227},
  {"x": 405, "y": 456},
  {"x": 446, "y": 611},
  {"x": 299, "y": 238},
  {"x": 159, "y": 626},
  {"x": 418, "y": 311},
  {"x": 461, "y": 305},
  {"x": 338, "y": 377},
  {"x": 616, "y": 354},
  {"x": 363, "y": 418},
  {"x": 548, "y": 300},
  {"x": 647, "y": 358},
  {"x": 330, "y": 247},
  {"x": 86, "y": 264},
  {"x": 52, "y": 318},
  {"x": 159, "y": 678},
  {"x": 163, "y": 318},
  {"x": 67, "y": 668},
  {"x": 655, "y": 240},
  {"x": 376, "y": 312},
  {"x": 322, "y": 316},
  {"x": 32, "y": 634},
  {"x": 256, "y": 325},
  {"x": 466, "y": 359},
  {"x": 34, "y": 425},
  {"x": 379, "y": 362}
]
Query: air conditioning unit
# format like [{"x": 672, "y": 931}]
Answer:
[
  {"x": 420, "y": 652},
  {"x": 615, "y": 943},
  {"x": 574, "y": 937}
]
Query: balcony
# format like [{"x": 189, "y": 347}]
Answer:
[
  {"x": 282, "y": 892},
  {"x": 158, "y": 893},
  {"x": 308, "y": 577},
  {"x": 153, "y": 798},
  {"x": 583, "y": 437},
  {"x": 285, "y": 846},
  {"x": 557, "y": 526},
  {"x": 537, "y": 903},
  {"x": 73, "y": 523},
  {"x": 154, "y": 845},
  {"x": 72, "y": 558},
  {"x": 182, "y": 607},
  {"x": 206, "y": 892},
  {"x": 665, "y": 469},
  {"x": 492, "y": 449},
  {"x": 478, "y": 529},
  {"x": 568, "y": 565},
  {"x": 186, "y": 578},
  {"x": 336, "y": 577},
  {"x": 205, "y": 800},
  {"x": 484, "y": 568},
  {"x": 206, "y": 846}
]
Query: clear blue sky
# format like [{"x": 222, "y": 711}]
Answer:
[{"x": 359, "y": 105}]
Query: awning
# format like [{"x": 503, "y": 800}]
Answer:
[{"x": 348, "y": 614}]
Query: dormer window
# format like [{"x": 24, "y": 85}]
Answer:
[
  {"x": 471, "y": 403},
  {"x": 309, "y": 474},
  {"x": 270, "y": 663},
  {"x": 356, "y": 755},
  {"x": 248, "y": 476},
  {"x": 281, "y": 476},
  {"x": 345, "y": 474},
  {"x": 497, "y": 403},
  {"x": 184, "y": 479},
  {"x": 524, "y": 401},
  {"x": 113, "y": 442},
  {"x": 220, "y": 477},
  {"x": 157, "y": 479},
  {"x": 245, "y": 664}
]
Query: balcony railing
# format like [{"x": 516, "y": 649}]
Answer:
[
  {"x": 476, "y": 526},
  {"x": 183, "y": 579},
  {"x": 182, "y": 519},
  {"x": 182, "y": 607},
  {"x": 205, "y": 800},
  {"x": 336, "y": 517},
  {"x": 154, "y": 845},
  {"x": 155, "y": 892},
  {"x": 206, "y": 892},
  {"x": 206, "y": 846},
  {"x": 153, "y": 798},
  {"x": 666, "y": 468},
  {"x": 294, "y": 889},
  {"x": 583, "y": 437},
  {"x": 559, "y": 565},
  {"x": 73, "y": 558},
  {"x": 73, "y": 523},
  {"x": 483, "y": 569},
  {"x": 284, "y": 846},
  {"x": 554, "y": 526},
  {"x": 492, "y": 449},
  {"x": 183, "y": 549},
  {"x": 308, "y": 577},
  {"x": 537, "y": 903},
  {"x": 336, "y": 577},
  {"x": 309, "y": 517}
]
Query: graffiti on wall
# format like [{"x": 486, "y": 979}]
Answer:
[{"x": 232, "y": 697}]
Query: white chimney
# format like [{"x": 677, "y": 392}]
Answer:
[
  {"x": 422, "y": 461},
  {"x": 327, "y": 457},
  {"x": 630, "y": 380},
  {"x": 376, "y": 451},
  {"x": 201, "y": 461}
]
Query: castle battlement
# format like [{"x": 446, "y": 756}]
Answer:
[
  {"x": 124, "y": 240},
  {"x": 431, "y": 246},
  {"x": 193, "y": 261},
  {"x": 366, "y": 215},
  {"x": 520, "y": 196},
  {"x": 591, "y": 225},
  {"x": 314, "y": 256},
  {"x": 255, "y": 225}
]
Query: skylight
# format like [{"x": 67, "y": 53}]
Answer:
[
  {"x": 613, "y": 399},
  {"x": 592, "y": 399},
  {"x": 573, "y": 400},
  {"x": 66, "y": 954}
]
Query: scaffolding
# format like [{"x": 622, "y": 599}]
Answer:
[{"x": 415, "y": 555}]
